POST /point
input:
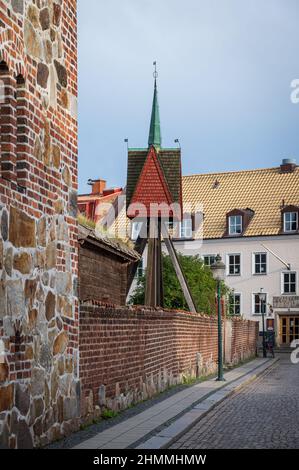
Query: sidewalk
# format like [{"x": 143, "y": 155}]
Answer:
[{"x": 164, "y": 422}]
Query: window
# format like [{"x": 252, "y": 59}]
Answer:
[
  {"x": 260, "y": 263},
  {"x": 140, "y": 270},
  {"x": 235, "y": 225},
  {"x": 291, "y": 221},
  {"x": 136, "y": 229},
  {"x": 260, "y": 304},
  {"x": 209, "y": 260},
  {"x": 289, "y": 281},
  {"x": 234, "y": 265},
  {"x": 186, "y": 228},
  {"x": 235, "y": 304}
]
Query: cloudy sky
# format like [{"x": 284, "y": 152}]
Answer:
[{"x": 225, "y": 73}]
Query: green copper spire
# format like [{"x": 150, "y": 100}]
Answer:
[{"x": 155, "y": 137}]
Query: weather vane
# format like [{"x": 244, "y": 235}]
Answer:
[{"x": 155, "y": 72}]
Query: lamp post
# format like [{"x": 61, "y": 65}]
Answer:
[
  {"x": 263, "y": 317},
  {"x": 218, "y": 270}
]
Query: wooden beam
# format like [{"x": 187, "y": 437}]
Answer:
[
  {"x": 132, "y": 268},
  {"x": 154, "y": 280},
  {"x": 178, "y": 269}
]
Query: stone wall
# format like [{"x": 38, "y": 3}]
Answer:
[
  {"x": 39, "y": 387},
  {"x": 130, "y": 354}
]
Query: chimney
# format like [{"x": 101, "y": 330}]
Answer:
[
  {"x": 288, "y": 165},
  {"x": 98, "y": 186}
]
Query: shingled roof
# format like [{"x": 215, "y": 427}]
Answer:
[
  {"x": 115, "y": 246},
  {"x": 170, "y": 162},
  {"x": 264, "y": 191}
]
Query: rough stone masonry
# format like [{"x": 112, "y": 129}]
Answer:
[{"x": 39, "y": 386}]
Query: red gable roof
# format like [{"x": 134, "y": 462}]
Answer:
[{"x": 151, "y": 188}]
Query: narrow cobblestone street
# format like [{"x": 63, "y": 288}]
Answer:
[{"x": 263, "y": 415}]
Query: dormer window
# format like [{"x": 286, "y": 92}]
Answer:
[
  {"x": 290, "y": 219},
  {"x": 187, "y": 228},
  {"x": 237, "y": 222},
  {"x": 235, "y": 225}
]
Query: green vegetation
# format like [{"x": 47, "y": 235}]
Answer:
[
  {"x": 200, "y": 280},
  {"x": 83, "y": 220},
  {"x": 108, "y": 414}
]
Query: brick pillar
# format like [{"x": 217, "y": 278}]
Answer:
[{"x": 8, "y": 125}]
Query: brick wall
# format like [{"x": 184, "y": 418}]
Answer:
[
  {"x": 128, "y": 355},
  {"x": 244, "y": 339},
  {"x": 39, "y": 389},
  {"x": 102, "y": 276}
]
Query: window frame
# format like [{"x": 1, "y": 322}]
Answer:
[
  {"x": 285, "y": 222},
  {"x": 190, "y": 228},
  {"x": 283, "y": 274},
  {"x": 140, "y": 270},
  {"x": 260, "y": 313},
  {"x": 229, "y": 265},
  {"x": 234, "y": 295},
  {"x": 208, "y": 256},
  {"x": 235, "y": 216},
  {"x": 254, "y": 263}
]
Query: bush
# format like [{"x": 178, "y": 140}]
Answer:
[{"x": 200, "y": 281}]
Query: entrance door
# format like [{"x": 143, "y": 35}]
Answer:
[{"x": 289, "y": 328}]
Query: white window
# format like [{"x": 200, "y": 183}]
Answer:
[
  {"x": 186, "y": 228},
  {"x": 291, "y": 221},
  {"x": 136, "y": 229},
  {"x": 289, "y": 283},
  {"x": 209, "y": 260},
  {"x": 235, "y": 225},
  {"x": 235, "y": 304},
  {"x": 259, "y": 304},
  {"x": 260, "y": 263},
  {"x": 140, "y": 269},
  {"x": 234, "y": 265}
]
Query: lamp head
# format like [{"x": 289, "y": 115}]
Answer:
[{"x": 218, "y": 269}]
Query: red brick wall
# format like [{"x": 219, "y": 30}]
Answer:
[
  {"x": 137, "y": 353},
  {"x": 244, "y": 339}
]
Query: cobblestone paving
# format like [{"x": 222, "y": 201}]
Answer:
[{"x": 263, "y": 415}]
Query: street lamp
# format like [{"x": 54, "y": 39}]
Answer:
[
  {"x": 263, "y": 309},
  {"x": 218, "y": 270}
]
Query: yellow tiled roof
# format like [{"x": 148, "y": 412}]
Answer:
[{"x": 263, "y": 191}]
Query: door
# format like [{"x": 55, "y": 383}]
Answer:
[{"x": 289, "y": 329}]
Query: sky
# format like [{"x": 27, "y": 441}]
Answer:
[{"x": 225, "y": 72}]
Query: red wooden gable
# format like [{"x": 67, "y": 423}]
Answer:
[{"x": 151, "y": 188}]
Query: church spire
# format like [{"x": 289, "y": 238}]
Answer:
[{"x": 155, "y": 129}]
